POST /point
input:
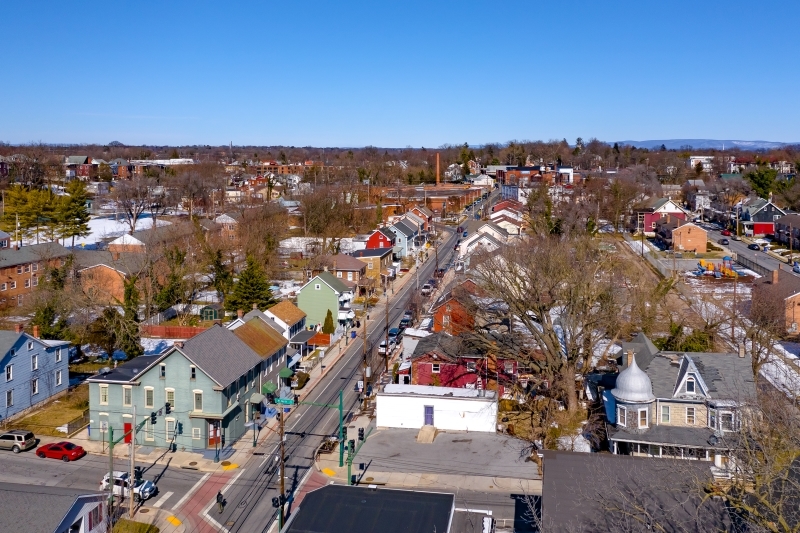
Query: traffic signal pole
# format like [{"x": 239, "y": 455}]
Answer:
[
  {"x": 283, "y": 487},
  {"x": 340, "y": 407},
  {"x": 351, "y": 454}
]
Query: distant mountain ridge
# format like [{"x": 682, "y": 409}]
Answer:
[{"x": 709, "y": 144}]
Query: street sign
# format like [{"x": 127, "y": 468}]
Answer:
[
  {"x": 284, "y": 401},
  {"x": 360, "y": 385}
]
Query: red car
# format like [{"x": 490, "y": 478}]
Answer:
[
  {"x": 66, "y": 451},
  {"x": 726, "y": 232}
]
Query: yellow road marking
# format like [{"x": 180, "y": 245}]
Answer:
[
  {"x": 328, "y": 472},
  {"x": 230, "y": 466},
  {"x": 174, "y": 521}
]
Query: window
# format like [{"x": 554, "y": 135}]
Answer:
[
  {"x": 103, "y": 394},
  {"x": 690, "y": 385},
  {"x": 170, "y": 397},
  {"x": 339, "y": 274},
  {"x": 349, "y": 276},
  {"x": 27, "y": 268},
  {"x": 196, "y": 433},
  {"x": 27, "y": 283},
  {"x": 35, "y": 386},
  {"x": 34, "y": 362},
  {"x": 170, "y": 427},
  {"x": 149, "y": 397},
  {"x": 509, "y": 368},
  {"x": 9, "y": 372},
  {"x": 58, "y": 355},
  {"x": 665, "y": 414},
  {"x": 471, "y": 367},
  {"x": 369, "y": 266},
  {"x": 435, "y": 368},
  {"x": 19, "y": 269},
  {"x": 148, "y": 429},
  {"x": 193, "y": 371},
  {"x": 58, "y": 378},
  {"x": 35, "y": 267},
  {"x": 3, "y": 286},
  {"x": 643, "y": 418},
  {"x": 726, "y": 421},
  {"x": 690, "y": 416},
  {"x": 712, "y": 418},
  {"x": 127, "y": 396},
  {"x": 35, "y": 281},
  {"x": 13, "y": 285},
  {"x": 9, "y": 398},
  {"x": 198, "y": 400},
  {"x": 30, "y": 345},
  {"x": 163, "y": 371},
  {"x": 622, "y": 414}
]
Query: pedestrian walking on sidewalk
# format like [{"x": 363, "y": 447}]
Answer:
[{"x": 220, "y": 501}]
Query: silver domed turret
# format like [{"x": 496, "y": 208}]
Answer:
[{"x": 633, "y": 385}]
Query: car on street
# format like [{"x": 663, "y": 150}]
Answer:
[
  {"x": 395, "y": 335},
  {"x": 432, "y": 282},
  {"x": 382, "y": 347},
  {"x": 426, "y": 290},
  {"x": 405, "y": 322},
  {"x": 17, "y": 440},
  {"x": 796, "y": 268},
  {"x": 753, "y": 247},
  {"x": 724, "y": 241},
  {"x": 66, "y": 451},
  {"x": 736, "y": 238},
  {"x": 142, "y": 489},
  {"x": 726, "y": 232}
]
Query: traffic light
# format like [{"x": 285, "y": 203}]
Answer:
[
  {"x": 167, "y": 408},
  {"x": 344, "y": 433},
  {"x": 282, "y": 499},
  {"x": 276, "y": 502},
  {"x": 153, "y": 419},
  {"x": 352, "y": 444},
  {"x": 278, "y": 416},
  {"x": 360, "y": 433},
  {"x": 179, "y": 428}
]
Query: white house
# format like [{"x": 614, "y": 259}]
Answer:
[{"x": 446, "y": 408}]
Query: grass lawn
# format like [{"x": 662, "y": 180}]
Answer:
[
  {"x": 56, "y": 413},
  {"x": 128, "y": 526},
  {"x": 88, "y": 367}
]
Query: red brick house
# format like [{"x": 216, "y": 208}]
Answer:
[
  {"x": 446, "y": 361},
  {"x": 381, "y": 238},
  {"x": 450, "y": 314},
  {"x": 425, "y": 214}
]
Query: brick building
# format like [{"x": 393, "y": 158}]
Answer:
[{"x": 22, "y": 267}]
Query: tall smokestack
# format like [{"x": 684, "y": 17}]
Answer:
[{"x": 437, "y": 169}]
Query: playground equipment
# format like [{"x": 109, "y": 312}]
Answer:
[{"x": 725, "y": 269}]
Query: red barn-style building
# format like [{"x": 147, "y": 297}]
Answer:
[{"x": 381, "y": 238}]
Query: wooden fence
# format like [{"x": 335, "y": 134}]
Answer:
[{"x": 171, "y": 332}]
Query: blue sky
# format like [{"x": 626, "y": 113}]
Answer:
[{"x": 411, "y": 73}]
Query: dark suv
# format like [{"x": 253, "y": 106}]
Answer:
[{"x": 17, "y": 440}]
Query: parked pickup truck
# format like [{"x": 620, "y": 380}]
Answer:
[{"x": 426, "y": 290}]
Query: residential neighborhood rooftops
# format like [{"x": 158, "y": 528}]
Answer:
[
  {"x": 404, "y": 228},
  {"x": 344, "y": 509},
  {"x": 332, "y": 281},
  {"x": 287, "y": 312},
  {"x": 32, "y": 253},
  {"x": 37, "y": 508},
  {"x": 372, "y": 252},
  {"x": 129, "y": 370},
  {"x": 342, "y": 262},
  {"x": 221, "y": 354},
  {"x": 127, "y": 263},
  {"x": 426, "y": 390},
  {"x": 260, "y": 337}
]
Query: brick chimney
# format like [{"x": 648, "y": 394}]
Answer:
[
  {"x": 240, "y": 313},
  {"x": 18, "y": 328},
  {"x": 36, "y": 331},
  {"x": 628, "y": 358},
  {"x": 775, "y": 277},
  {"x": 255, "y": 306}
]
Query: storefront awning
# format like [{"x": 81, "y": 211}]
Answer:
[
  {"x": 346, "y": 315},
  {"x": 268, "y": 388},
  {"x": 286, "y": 373},
  {"x": 256, "y": 398},
  {"x": 294, "y": 360}
]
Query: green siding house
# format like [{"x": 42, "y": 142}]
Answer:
[
  {"x": 325, "y": 291},
  {"x": 212, "y": 383}
]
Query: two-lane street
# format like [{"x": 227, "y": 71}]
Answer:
[
  {"x": 741, "y": 250},
  {"x": 249, "y": 498}
]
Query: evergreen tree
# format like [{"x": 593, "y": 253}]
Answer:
[
  {"x": 171, "y": 292},
  {"x": 223, "y": 281},
  {"x": 17, "y": 219},
  {"x": 128, "y": 325},
  {"x": 251, "y": 288},
  {"x": 327, "y": 326},
  {"x": 762, "y": 180},
  {"x": 72, "y": 213},
  {"x": 51, "y": 324}
]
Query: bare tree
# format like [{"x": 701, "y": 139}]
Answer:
[{"x": 132, "y": 198}]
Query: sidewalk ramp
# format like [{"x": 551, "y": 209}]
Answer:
[{"x": 426, "y": 434}]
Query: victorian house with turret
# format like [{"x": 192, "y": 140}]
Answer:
[{"x": 678, "y": 405}]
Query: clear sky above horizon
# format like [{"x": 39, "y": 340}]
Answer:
[{"x": 394, "y": 74}]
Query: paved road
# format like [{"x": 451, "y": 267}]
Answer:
[
  {"x": 741, "y": 250},
  {"x": 87, "y": 472},
  {"x": 249, "y": 500}
]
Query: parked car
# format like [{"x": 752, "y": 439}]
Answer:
[
  {"x": 395, "y": 335},
  {"x": 408, "y": 314},
  {"x": 382, "y": 347},
  {"x": 726, "y": 232},
  {"x": 17, "y": 440},
  {"x": 426, "y": 290},
  {"x": 753, "y": 247},
  {"x": 432, "y": 282},
  {"x": 405, "y": 322},
  {"x": 66, "y": 451},
  {"x": 142, "y": 490},
  {"x": 796, "y": 268},
  {"x": 736, "y": 238},
  {"x": 724, "y": 241}
]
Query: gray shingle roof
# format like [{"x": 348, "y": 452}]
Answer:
[
  {"x": 643, "y": 349},
  {"x": 29, "y": 254},
  {"x": 372, "y": 252},
  {"x": 128, "y": 263},
  {"x": 220, "y": 354},
  {"x": 7, "y": 340},
  {"x": 696, "y": 437},
  {"x": 404, "y": 228},
  {"x": 36, "y": 508},
  {"x": 129, "y": 370},
  {"x": 334, "y": 282},
  {"x": 727, "y": 375}
]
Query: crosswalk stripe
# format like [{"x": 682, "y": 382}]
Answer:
[{"x": 163, "y": 499}]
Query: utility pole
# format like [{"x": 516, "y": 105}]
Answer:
[
  {"x": 110, "y": 476},
  {"x": 364, "y": 383},
  {"x": 386, "y": 355},
  {"x": 132, "y": 479},
  {"x": 283, "y": 486}
]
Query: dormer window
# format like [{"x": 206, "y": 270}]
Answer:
[{"x": 690, "y": 386}]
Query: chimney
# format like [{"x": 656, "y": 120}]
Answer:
[
  {"x": 628, "y": 358},
  {"x": 36, "y": 331},
  {"x": 115, "y": 255},
  {"x": 240, "y": 313},
  {"x": 775, "y": 277},
  {"x": 179, "y": 344},
  {"x": 18, "y": 328},
  {"x": 437, "y": 169},
  {"x": 741, "y": 350},
  {"x": 255, "y": 306}
]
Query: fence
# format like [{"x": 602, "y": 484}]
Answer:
[
  {"x": 171, "y": 332},
  {"x": 752, "y": 265},
  {"x": 77, "y": 424}
]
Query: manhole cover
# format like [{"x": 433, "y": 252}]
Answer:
[
  {"x": 192, "y": 463},
  {"x": 370, "y": 479},
  {"x": 242, "y": 503},
  {"x": 144, "y": 511},
  {"x": 225, "y": 463}
]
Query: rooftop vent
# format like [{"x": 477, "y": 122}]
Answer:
[{"x": 105, "y": 370}]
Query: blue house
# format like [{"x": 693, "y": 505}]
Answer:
[
  {"x": 405, "y": 234},
  {"x": 34, "y": 370}
]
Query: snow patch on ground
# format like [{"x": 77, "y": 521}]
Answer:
[
  {"x": 574, "y": 443},
  {"x": 108, "y": 228}
]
